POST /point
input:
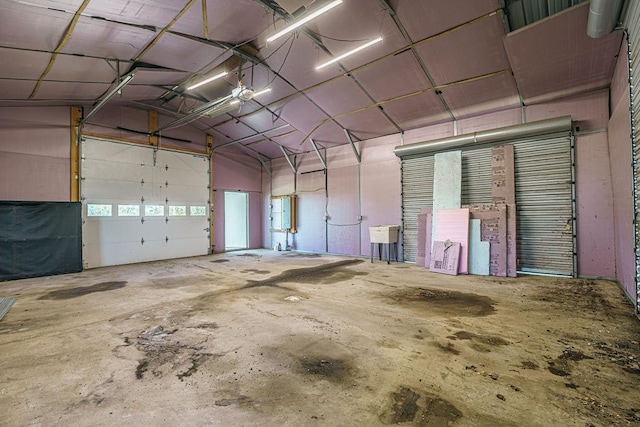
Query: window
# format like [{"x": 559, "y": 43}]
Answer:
[
  {"x": 98, "y": 210},
  {"x": 128, "y": 210},
  {"x": 154, "y": 210},
  {"x": 197, "y": 210},
  {"x": 177, "y": 211}
]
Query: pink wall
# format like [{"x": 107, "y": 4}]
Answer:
[
  {"x": 619, "y": 130},
  {"x": 381, "y": 188},
  {"x": 594, "y": 207},
  {"x": 35, "y": 149}
]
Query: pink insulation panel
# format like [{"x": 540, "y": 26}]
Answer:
[{"x": 453, "y": 225}]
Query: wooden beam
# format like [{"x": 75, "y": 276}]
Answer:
[
  {"x": 63, "y": 41},
  {"x": 147, "y": 144},
  {"x": 209, "y": 145},
  {"x": 153, "y": 125},
  {"x": 205, "y": 20},
  {"x": 164, "y": 30},
  {"x": 76, "y": 116}
]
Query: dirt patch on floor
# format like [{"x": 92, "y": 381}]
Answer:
[
  {"x": 219, "y": 261},
  {"x": 334, "y": 370},
  {"x": 322, "y": 274},
  {"x": 62, "y": 294},
  {"x": 579, "y": 294},
  {"x": 562, "y": 365},
  {"x": 165, "y": 355},
  {"x": 443, "y": 303},
  {"x": 424, "y": 409},
  {"x": 624, "y": 354},
  {"x": 481, "y": 343}
]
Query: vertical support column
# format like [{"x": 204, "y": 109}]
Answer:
[
  {"x": 211, "y": 206},
  {"x": 76, "y": 116},
  {"x": 153, "y": 125}
]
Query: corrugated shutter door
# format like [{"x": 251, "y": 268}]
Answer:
[
  {"x": 417, "y": 193},
  {"x": 633, "y": 27},
  {"x": 544, "y": 198},
  {"x": 544, "y": 206}
]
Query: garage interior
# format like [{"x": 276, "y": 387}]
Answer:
[{"x": 189, "y": 195}]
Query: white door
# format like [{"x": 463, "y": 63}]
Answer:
[
  {"x": 236, "y": 220},
  {"x": 141, "y": 204}
]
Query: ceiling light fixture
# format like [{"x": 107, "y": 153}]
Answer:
[
  {"x": 210, "y": 79},
  {"x": 304, "y": 20},
  {"x": 258, "y": 93},
  {"x": 351, "y": 52},
  {"x": 124, "y": 80}
]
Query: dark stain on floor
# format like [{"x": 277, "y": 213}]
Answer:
[
  {"x": 479, "y": 342},
  {"x": 293, "y": 254},
  {"x": 440, "y": 302},
  {"x": 426, "y": 409},
  {"x": 561, "y": 366},
  {"x": 235, "y": 401},
  {"x": 321, "y": 274},
  {"x": 62, "y": 294},
  {"x": 254, "y": 271},
  {"x": 579, "y": 294},
  {"x": 528, "y": 364},
  {"x": 219, "y": 261},
  {"x": 196, "y": 360},
  {"x": 449, "y": 348},
  {"x": 162, "y": 351},
  {"x": 334, "y": 370},
  {"x": 623, "y": 354}
]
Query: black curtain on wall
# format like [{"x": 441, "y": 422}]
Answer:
[{"x": 40, "y": 239}]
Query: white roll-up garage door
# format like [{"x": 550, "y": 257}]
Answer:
[
  {"x": 142, "y": 204},
  {"x": 544, "y": 198}
]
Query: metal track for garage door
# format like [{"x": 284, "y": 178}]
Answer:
[{"x": 544, "y": 198}]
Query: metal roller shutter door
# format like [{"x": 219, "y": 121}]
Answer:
[
  {"x": 544, "y": 198},
  {"x": 632, "y": 21},
  {"x": 417, "y": 189}
]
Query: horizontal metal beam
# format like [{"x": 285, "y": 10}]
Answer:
[{"x": 486, "y": 137}]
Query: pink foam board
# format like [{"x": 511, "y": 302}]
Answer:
[
  {"x": 512, "y": 258},
  {"x": 503, "y": 188},
  {"x": 422, "y": 236},
  {"x": 428, "y": 243},
  {"x": 493, "y": 230},
  {"x": 446, "y": 258},
  {"x": 453, "y": 225}
]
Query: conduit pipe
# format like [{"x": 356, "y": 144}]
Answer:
[
  {"x": 603, "y": 17},
  {"x": 541, "y": 127}
]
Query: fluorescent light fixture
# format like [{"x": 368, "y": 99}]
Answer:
[
  {"x": 258, "y": 93},
  {"x": 351, "y": 52},
  {"x": 210, "y": 79},
  {"x": 123, "y": 82},
  {"x": 304, "y": 20}
]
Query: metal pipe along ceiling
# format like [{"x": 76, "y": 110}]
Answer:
[
  {"x": 603, "y": 17},
  {"x": 541, "y": 127}
]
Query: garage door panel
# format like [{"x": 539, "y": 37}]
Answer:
[{"x": 116, "y": 174}]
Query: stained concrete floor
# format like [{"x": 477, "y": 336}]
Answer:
[{"x": 283, "y": 338}]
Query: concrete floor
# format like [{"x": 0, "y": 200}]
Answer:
[{"x": 282, "y": 338}]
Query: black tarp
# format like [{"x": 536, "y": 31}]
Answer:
[{"x": 40, "y": 239}]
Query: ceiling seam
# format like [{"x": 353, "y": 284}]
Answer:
[
  {"x": 283, "y": 15},
  {"x": 326, "y": 50},
  {"x": 407, "y": 38},
  {"x": 164, "y": 30},
  {"x": 370, "y": 63},
  {"x": 409, "y": 95},
  {"x": 61, "y": 44}
]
